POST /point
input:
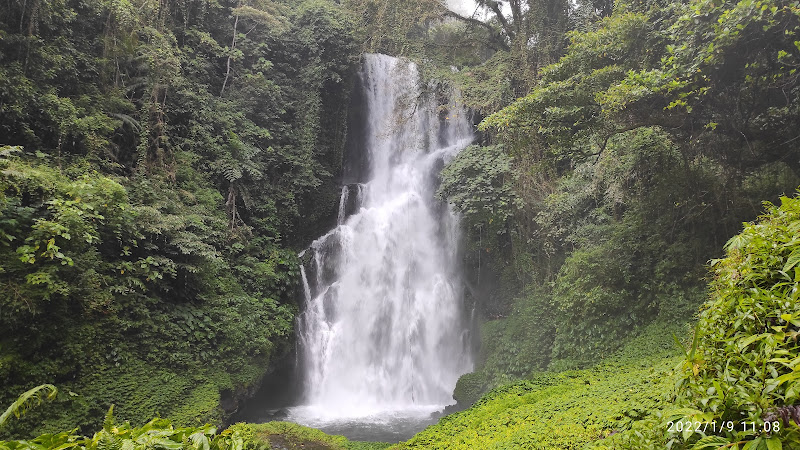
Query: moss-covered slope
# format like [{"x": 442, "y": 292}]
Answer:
[{"x": 568, "y": 409}]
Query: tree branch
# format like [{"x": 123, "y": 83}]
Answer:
[
  {"x": 230, "y": 55},
  {"x": 495, "y": 38},
  {"x": 495, "y": 7}
]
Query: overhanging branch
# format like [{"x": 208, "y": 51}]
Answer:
[{"x": 493, "y": 35}]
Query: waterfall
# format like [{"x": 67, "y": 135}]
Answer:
[
  {"x": 384, "y": 326},
  {"x": 343, "y": 204}
]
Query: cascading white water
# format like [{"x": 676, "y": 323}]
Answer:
[
  {"x": 343, "y": 205},
  {"x": 384, "y": 327}
]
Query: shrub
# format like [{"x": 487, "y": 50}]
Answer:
[{"x": 745, "y": 366}]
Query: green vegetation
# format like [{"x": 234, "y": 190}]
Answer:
[
  {"x": 292, "y": 436},
  {"x": 734, "y": 385},
  {"x": 158, "y": 433},
  {"x": 161, "y": 434},
  {"x": 739, "y": 372},
  {"x": 633, "y": 158},
  {"x": 611, "y": 170},
  {"x": 568, "y": 409},
  {"x": 746, "y": 365},
  {"x": 155, "y": 161},
  {"x": 161, "y": 163},
  {"x": 31, "y": 398}
]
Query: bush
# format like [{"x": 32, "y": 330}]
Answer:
[{"x": 745, "y": 364}]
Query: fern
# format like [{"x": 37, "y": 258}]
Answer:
[
  {"x": 108, "y": 422},
  {"x": 28, "y": 400},
  {"x": 7, "y": 151}
]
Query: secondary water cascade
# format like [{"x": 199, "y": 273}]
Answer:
[{"x": 384, "y": 332}]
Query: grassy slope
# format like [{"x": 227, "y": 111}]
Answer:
[{"x": 568, "y": 409}]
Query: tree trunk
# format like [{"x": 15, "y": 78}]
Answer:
[{"x": 230, "y": 53}]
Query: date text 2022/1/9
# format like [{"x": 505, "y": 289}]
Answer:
[{"x": 728, "y": 425}]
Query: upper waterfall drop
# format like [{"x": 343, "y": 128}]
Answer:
[{"x": 384, "y": 327}]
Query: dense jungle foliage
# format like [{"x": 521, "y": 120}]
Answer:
[
  {"x": 161, "y": 162},
  {"x": 733, "y": 385},
  {"x": 156, "y": 160},
  {"x": 634, "y": 158},
  {"x": 740, "y": 372},
  {"x": 623, "y": 145}
]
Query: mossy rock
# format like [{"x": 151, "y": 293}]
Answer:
[
  {"x": 291, "y": 436},
  {"x": 469, "y": 388}
]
